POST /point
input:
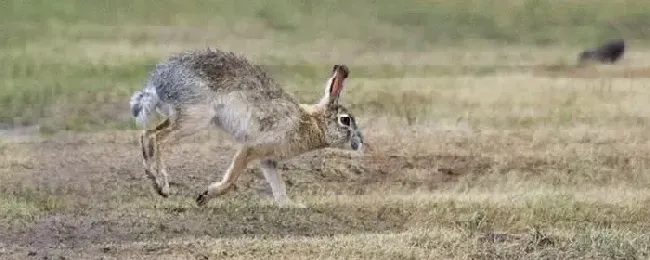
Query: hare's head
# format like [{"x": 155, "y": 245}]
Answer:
[{"x": 340, "y": 126}]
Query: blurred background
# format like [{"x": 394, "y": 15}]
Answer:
[{"x": 72, "y": 65}]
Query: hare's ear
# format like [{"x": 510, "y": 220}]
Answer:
[{"x": 335, "y": 85}]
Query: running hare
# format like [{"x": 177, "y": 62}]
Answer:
[{"x": 198, "y": 89}]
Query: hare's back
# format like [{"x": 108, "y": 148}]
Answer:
[
  {"x": 197, "y": 74},
  {"x": 243, "y": 98}
]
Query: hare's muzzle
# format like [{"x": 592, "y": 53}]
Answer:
[
  {"x": 358, "y": 147},
  {"x": 356, "y": 140}
]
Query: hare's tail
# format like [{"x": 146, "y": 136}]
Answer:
[{"x": 143, "y": 103}]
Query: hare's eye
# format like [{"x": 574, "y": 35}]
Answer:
[{"x": 344, "y": 121}]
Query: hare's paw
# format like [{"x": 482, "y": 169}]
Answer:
[
  {"x": 202, "y": 199},
  {"x": 163, "y": 191}
]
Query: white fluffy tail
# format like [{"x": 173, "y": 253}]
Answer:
[{"x": 142, "y": 104}]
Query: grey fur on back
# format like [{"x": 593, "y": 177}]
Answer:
[
  {"x": 183, "y": 78},
  {"x": 222, "y": 89}
]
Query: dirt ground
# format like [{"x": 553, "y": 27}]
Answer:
[
  {"x": 95, "y": 195},
  {"x": 85, "y": 197}
]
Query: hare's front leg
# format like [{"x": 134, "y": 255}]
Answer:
[
  {"x": 278, "y": 187},
  {"x": 237, "y": 165}
]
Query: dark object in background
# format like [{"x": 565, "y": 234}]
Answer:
[{"x": 609, "y": 52}]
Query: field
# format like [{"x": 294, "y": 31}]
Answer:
[{"x": 484, "y": 140}]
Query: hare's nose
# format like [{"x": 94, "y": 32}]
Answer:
[{"x": 357, "y": 146}]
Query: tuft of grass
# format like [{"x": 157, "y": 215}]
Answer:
[{"x": 13, "y": 209}]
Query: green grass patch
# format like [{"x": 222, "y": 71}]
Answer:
[{"x": 59, "y": 69}]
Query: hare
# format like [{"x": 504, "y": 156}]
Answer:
[{"x": 198, "y": 89}]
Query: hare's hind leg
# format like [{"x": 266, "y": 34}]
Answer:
[
  {"x": 148, "y": 141},
  {"x": 153, "y": 143},
  {"x": 161, "y": 143},
  {"x": 238, "y": 164},
  {"x": 269, "y": 169},
  {"x": 181, "y": 124}
]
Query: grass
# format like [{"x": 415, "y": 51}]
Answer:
[
  {"x": 484, "y": 140},
  {"x": 83, "y": 57}
]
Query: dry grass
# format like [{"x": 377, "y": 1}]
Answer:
[
  {"x": 475, "y": 150},
  {"x": 440, "y": 192}
]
